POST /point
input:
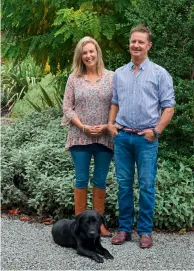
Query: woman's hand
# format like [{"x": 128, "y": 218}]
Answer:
[
  {"x": 95, "y": 130},
  {"x": 101, "y": 129}
]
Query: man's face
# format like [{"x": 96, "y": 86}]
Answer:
[{"x": 139, "y": 46}]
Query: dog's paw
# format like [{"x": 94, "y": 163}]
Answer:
[
  {"x": 107, "y": 256},
  {"x": 98, "y": 259}
]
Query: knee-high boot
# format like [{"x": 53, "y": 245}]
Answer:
[
  {"x": 80, "y": 199},
  {"x": 98, "y": 205}
]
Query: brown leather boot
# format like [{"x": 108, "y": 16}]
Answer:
[
  {"x": 80, "y": 200},
  {"x": 98, "y": 205}
]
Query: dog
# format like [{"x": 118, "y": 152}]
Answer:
[{"x": 83, "y": 234}]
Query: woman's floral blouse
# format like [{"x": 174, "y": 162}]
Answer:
[{"x": 90, "y": 102}]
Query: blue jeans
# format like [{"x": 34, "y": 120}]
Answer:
[
  {"x": 82, "y": 156},
  {"x": 130, "y": 149}
]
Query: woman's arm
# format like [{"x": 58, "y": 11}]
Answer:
[{"x": 69, "y": 102}]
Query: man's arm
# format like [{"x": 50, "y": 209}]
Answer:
[
  {"x": 165, "y": 119},
  {"x": 112, "y": 116},
  {"x": 162, "y": 124}
]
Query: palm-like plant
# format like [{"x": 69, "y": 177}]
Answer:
[{"x": 16, "y": 81}]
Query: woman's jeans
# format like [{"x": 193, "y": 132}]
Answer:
[
  {"x": 129, "y": 149},
  {"x": 82, "y": 156}
]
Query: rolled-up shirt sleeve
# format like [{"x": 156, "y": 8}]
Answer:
[
  {"x": 166, "y": 90},
  {"x": 69, "y": 102},
  {"x": 114, "y": 86}
]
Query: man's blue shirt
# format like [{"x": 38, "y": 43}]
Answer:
[{"x": 141, "y": 96}]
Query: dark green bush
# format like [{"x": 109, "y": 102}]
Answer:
[
  {"x": 177, "y": 140},
  {"x": 33, "y": 158}
]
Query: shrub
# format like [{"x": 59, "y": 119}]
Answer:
[
  {"x": 49, "y": 93},
  {"x": 23, "y": 107},
  {"x": 37, "y": 173},
  {"x": 17, "y": 79},
  {"x": 174, "y": 196},
  {"x": 177, "y": 140}
]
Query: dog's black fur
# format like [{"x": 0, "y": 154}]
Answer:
[{"x": 83, "y": 234}]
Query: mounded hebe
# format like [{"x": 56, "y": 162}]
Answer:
[
  {"x": 174, "y": 196},
  {"x": 33, "y": 151}
]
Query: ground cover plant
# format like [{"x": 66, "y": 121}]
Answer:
[{"x": 37, "y": 174}]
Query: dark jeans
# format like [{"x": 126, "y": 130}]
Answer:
[{"x": 82, "y": 156}]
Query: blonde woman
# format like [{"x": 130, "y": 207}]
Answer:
[{"x": 86, "y": 106}]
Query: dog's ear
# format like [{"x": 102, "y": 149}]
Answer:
[{"x": 78, "y": 219}]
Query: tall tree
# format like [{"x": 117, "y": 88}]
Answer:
[{"x": 50, "y": 29}]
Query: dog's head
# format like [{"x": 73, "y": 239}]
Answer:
[{"x": 88, "y": 224}]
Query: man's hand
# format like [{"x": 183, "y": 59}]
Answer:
[
  {"x": 148, "y": 134},
  {"x": 113, "y": 130}
]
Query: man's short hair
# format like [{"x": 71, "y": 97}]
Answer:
[{"x": 143, "y": 29}]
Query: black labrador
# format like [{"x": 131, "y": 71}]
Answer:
[{"x": 83, "y": 234}]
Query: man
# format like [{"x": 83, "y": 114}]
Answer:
[{"x": 141, "y": 90}]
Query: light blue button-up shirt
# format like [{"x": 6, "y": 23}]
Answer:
[{"x": 141, "y": 96}]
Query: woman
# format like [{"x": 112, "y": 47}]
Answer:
[{"x": 86, "y": 106}]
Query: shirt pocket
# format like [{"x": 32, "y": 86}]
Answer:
[{"x": 150, "y": 89}]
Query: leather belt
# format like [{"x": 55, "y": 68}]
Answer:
[{"x": 131, "y": 130}]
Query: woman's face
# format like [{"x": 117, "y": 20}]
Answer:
[{"x": 89, "y": 55}]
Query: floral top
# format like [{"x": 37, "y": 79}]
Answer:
[{"x": 90, "y": 102}]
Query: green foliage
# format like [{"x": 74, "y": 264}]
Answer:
[
  {"x": 53, "y": 86},
  {"x": 77, "y": 24},
  {"x": 51, "y": 29},
  {"x": 47, "y": 101},
  {"x": 17, "y": 79},
  {"x": 177, "y": 140},
  {"x": 172, "y": 25},
  {"x": 33, "y": 157},
  {"x": 55, "y": 100},
  {"x": 37, "y": 156},
  {"x": 174, "y": 197}
]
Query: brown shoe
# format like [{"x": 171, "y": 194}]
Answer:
[
  {"x": 104, "y": 232},
  {"x": 145, "y": 241},
  {"x": 121, "y": 237}
]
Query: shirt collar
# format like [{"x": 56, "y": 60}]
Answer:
[{"x": 142, "y": 65}]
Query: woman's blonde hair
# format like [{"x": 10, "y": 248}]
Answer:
[{"x": 78, "y": 67}]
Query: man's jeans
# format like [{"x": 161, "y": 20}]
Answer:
[
  {"x": 82, "y": 156},
  {"x": 130, "y": 149}
]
